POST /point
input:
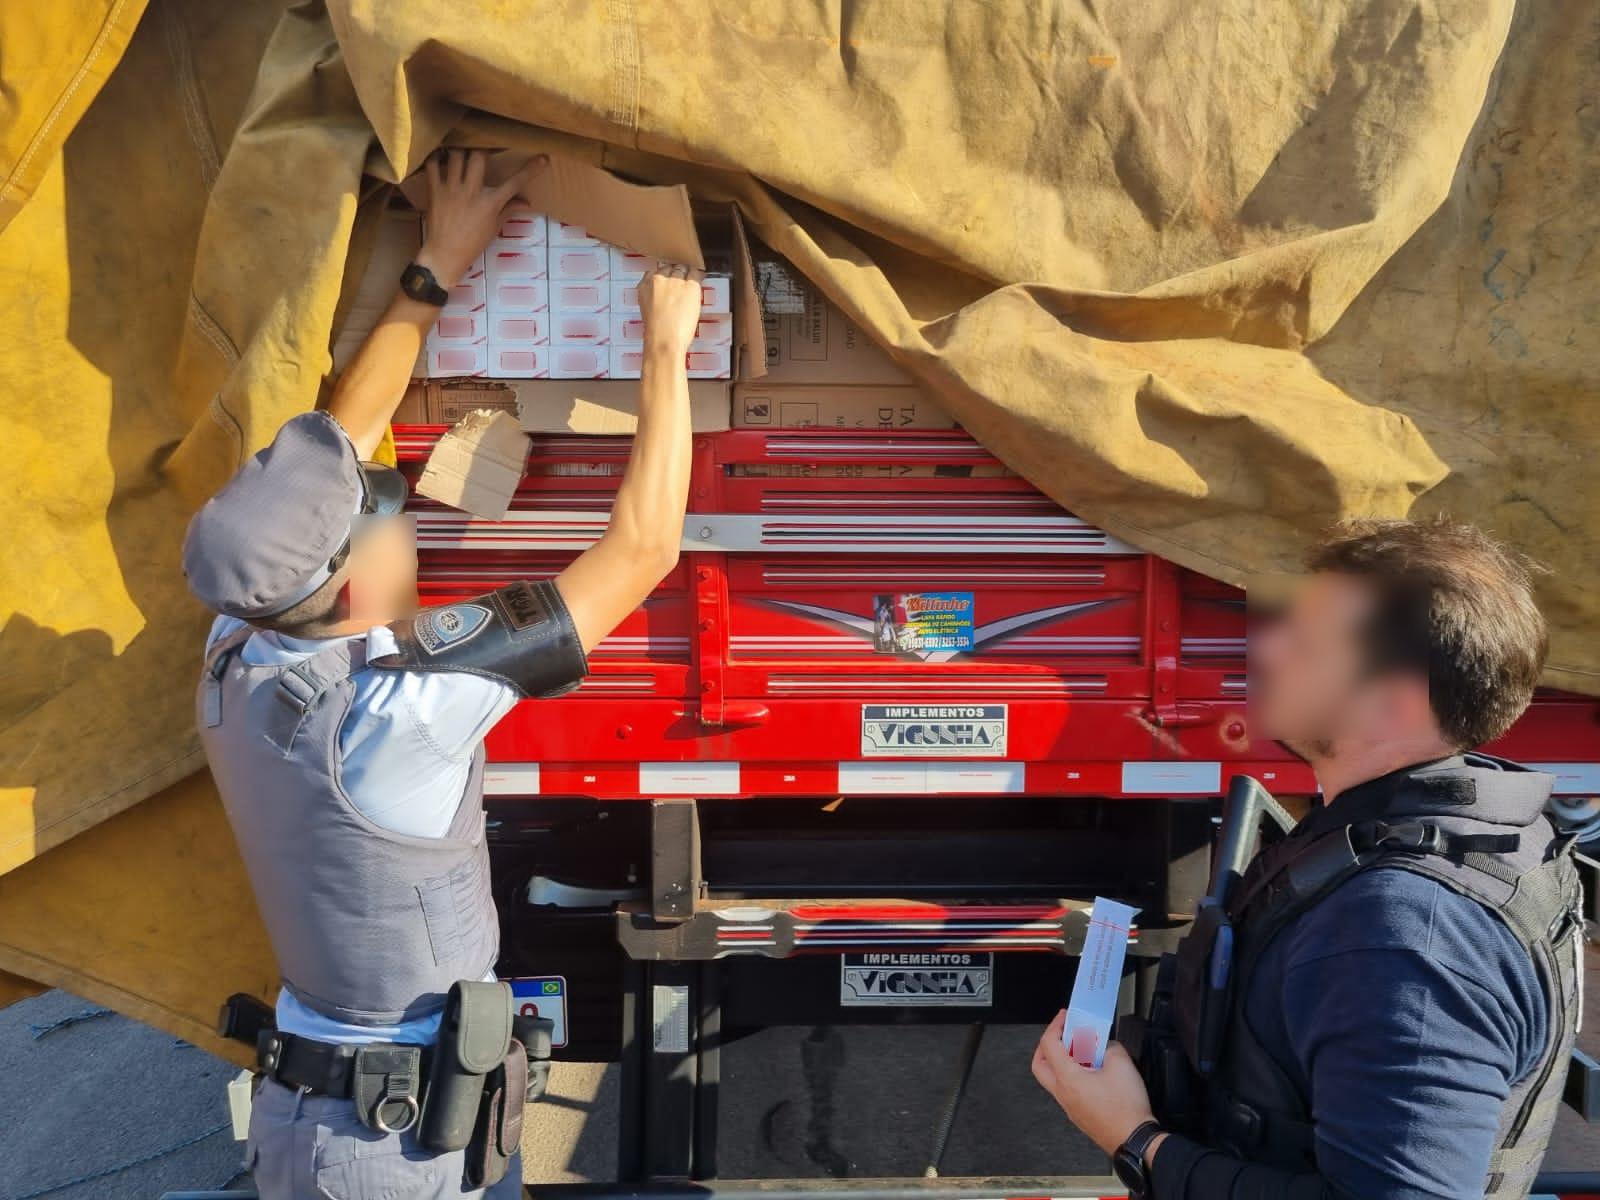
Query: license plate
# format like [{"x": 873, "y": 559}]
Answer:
[
  {"x": 916, "y": 979},
  {"x": 543, "y": 996}
]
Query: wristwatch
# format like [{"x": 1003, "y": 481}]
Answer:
[
  {"x": 418, "y": 282},
  {"x": 1133, "y": 1172}
]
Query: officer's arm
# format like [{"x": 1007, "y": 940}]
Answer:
[
  {"x": 462, "y": 215},
  {"x": 640, "y": 545}
]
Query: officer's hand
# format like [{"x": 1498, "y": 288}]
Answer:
[
  {"x": 463, "y": 214},
  {"x": 1107, "y": 1104},
  {"x": 669, "y": 302}
]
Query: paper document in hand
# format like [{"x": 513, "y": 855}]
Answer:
[{"x": 1093, "y": 1006}]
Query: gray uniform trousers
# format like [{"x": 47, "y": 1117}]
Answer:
[{"x": 314, "y": 1148}]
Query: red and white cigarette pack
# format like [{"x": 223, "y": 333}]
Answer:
[{"x": 550, "y": 300}]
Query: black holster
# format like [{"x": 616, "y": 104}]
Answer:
[{"x": 1176, "y": 1092}]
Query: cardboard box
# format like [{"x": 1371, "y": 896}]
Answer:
[
  {"x": 589, "y": 407},
  {"x": 821, "y": 345},
  {"x": 872, "y": 471},
  {"x": 651, "y": 221},
  {"x": 600, "y": 407},
  {"x": 396, "y": 241},
  {"x": 760, "y": 406},
  {"x": 434, "y": 403}
]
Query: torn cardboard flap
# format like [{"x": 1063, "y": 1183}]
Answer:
[
  {"x": 477, "y": 465},
  {"x": 651, "y": 220}
]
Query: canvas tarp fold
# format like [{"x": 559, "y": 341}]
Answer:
[{"x": 1211, "y": 275}]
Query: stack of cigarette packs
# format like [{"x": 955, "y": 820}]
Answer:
[{"x": 548, "y": 301}]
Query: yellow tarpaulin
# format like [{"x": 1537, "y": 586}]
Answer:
[{"x": 1211, "y": 275}]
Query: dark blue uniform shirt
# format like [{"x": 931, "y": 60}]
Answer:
[{"x": 1406, "y": 1013}]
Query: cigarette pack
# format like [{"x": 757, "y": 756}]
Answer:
[
  {"x": 518, "y": 361},
  {"x": 714, "y": 329},
  {"x": 1093, "y": 1006},
  {"x": 522, "y": 329},
  {"x": 626, "y": 362},
  {"x": 563, "y": 234},
  {"x": 448, "y": 359},
  {"x": 625, "y": 297},
  {"x": 520, "y": 228},
  {"x": 716, "y": 294},
  {"x": 519, "y": 294},
  {"x": 578, "y": 362},
  {"x": 580, "y": 262},
  {"x": 579, "y": 328},
  {"x": 629, "y": 266},
  {"x": 580, "y": 295},
  {"x": 468, "y": 294},
  {"x": 460, "y": 325},
  {"x": 527, "y": 262},
  {"x": 709, "y": 362}
]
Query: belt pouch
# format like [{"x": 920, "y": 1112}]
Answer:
[
  {"x": 474, "y": 1034},
  {"x": 499, "y": 1129},
  {"x": 386, "y": 1084}
]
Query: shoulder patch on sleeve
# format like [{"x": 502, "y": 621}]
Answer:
[{"x": 440, "y": 628}]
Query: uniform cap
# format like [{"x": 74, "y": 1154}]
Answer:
[{"x": 280, "y": 527}]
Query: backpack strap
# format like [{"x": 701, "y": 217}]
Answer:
[
  {"x": 217, "y": 657},
  {"x": 301, "y": 687}
]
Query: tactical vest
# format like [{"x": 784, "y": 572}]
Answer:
[
  {"x": 1478, "y": 826},
  {"x": 369, "y": 926}
]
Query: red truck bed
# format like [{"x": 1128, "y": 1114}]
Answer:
[{"x": 753, "y": 670}]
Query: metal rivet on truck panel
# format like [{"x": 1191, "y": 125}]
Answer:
[
  {"x": 705, "y": 531},
  {"x": 623, "y": 731}
]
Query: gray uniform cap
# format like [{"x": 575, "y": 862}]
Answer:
[{"x": 272, "y": 535}]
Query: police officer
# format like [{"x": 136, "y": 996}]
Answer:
[
  {"x": 345, "y": 727},
  {"x": 1406, "y": 960}
]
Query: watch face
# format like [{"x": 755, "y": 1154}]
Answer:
[{"x": 412, "y": 282}]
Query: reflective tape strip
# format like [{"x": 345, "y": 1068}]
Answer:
[
  {"x": 874, "y": 778},
  {"x": 1168, "y": 778},
  {"x": 688, "y": 779},
  {"x": 511, "y": 779}
]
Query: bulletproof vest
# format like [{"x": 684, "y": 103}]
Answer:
[
  {"x": 1478, "y": 826},
  {"x": 369, "y": 926}
]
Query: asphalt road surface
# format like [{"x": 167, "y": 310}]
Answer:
[{"x": 94, "y": 1106}]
